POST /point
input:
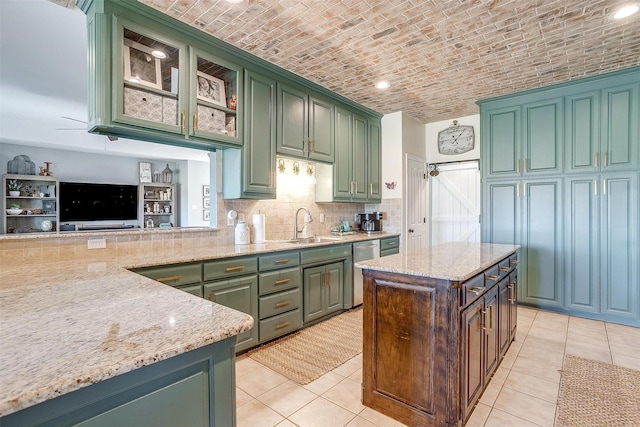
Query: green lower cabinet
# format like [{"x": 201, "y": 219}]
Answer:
[
  {"x": 196, "y": 388},
  {"x": 601, "y": 273},
  {"x": 193, "y": 290},
  {"x": 240, "y": 294},
  {"x": 323, "y": 290}
]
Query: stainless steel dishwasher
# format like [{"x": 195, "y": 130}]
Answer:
[{"x": 362, "y": 251}]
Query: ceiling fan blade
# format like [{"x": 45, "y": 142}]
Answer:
[{"x": 75, "y": 120}]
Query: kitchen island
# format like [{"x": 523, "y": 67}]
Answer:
[
  {"x": 84, "y": 339},
  {"x": 437, "y": 323}
]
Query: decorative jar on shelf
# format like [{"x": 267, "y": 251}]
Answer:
[{"x": 167, "y": 175}]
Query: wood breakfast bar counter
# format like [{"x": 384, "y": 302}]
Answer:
[{"x": 437, "y": 323}]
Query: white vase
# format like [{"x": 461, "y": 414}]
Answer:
[
  {"x": 46, "y": 225},
  {"x": 14, "y": 193}
]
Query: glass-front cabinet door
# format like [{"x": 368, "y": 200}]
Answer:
[
  {"x": 150, "y": 68},
  {"x": 215, "y": 106}
]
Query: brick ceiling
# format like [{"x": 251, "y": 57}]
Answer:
[{"x": 439, "y": 56}]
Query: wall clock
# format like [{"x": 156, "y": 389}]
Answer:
[{"x": 456, "y": 139}]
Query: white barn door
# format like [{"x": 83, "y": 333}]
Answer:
[{"x": 455, "y": 203}]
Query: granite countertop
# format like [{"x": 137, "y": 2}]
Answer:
[
  {"x": 72, "y": 322},
  {"x": 450, "y": 261}
]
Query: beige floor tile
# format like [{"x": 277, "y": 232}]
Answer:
[
  {"x": 586, "y": 325},
  {"x": 259, "y": 381},
  {"x": 534, "y": 386},
  {"x": 350, "y": 366},
  {"x": 500, "y": 375},
  {"x": 508, "y": 361},
  {"x": 537, "y": 369},
  {"x": 541, "y": 342},
  {"x": 490, "y": 394},
  {"x": 256, "y": 414},
  {"x": 588, "y": 352},
  {"x": 347, "y": 394},
  {"x": 478, "y": 416},
  {"x": 356, "y": 376},
  {"x": 242, "y": 397},
  {"x": 287, "y": 398},
  {"x": 548, "y": 334},
  {"x": 360, "y": 422},
  {"x": 245, "y": 365},
  {"x": 592, "y": 342},
  {"x": 622, "y": 336},
  {"x": 527, "y": 407},
  {"x": 551, "y": 317},
  {"x": 542, "y": 354},
  {"x": 379, "y": 419},
  {"x": 629, "y": 350},
  {"x": 499, "y": 418},
  {"x": 322, "y": 413},
  {"x": 324, "y": 383},
  {"x": 615, "y": 329},
  {"x": 626, "y": 361},
  {"x": 286, "y": 423}
]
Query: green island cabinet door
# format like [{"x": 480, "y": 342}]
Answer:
[
  {"x": 343, "y": 162},
  {"x": 240, "y": 294}
]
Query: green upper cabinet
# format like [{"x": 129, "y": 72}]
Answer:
[
  {"x": 360, "y": 143},
  {"x": 216, "y": 101},
  {"x": 257, "y": 158},
  {"x": 305, "y": 125},
  {"x": 619, "y": 129},
  {"x": 542, "y": 137},
  {"x": 601, "y": 127},
  {"x": 501, "y": 141},
  {"x": 523, "y": 139},
  {"x": 375, "y": 160},
  {"x": 343, "y": 163}
]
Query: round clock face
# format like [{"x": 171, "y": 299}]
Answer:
[{"x": 456, "y": 140}]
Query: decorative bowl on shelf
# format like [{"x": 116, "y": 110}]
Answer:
[{"x": 14, "y": 211}]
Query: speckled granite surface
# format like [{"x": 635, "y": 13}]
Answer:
[
  {"x": 71, "y": 318},
  {"x": 452, "y": 261}
]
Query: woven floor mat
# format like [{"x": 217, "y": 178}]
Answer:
[
  {"x": 307, "y": 354},
  {"x": 595, "y": 394}
]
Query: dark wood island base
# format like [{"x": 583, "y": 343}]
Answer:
[{"x": 432, "y": 341}]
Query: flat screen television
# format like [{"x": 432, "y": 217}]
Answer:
[{"x": 82, "y": 201}]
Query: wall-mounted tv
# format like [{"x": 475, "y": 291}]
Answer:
[{"x": 82, "y": 201}]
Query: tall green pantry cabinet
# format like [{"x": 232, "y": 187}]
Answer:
[{"x": 560, "y": 171}]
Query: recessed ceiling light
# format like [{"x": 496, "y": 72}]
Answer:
[
  {"x": 625, "y": 11},
  {"x": 382, "y": 85},
  {"x": 159, "y": 54}
]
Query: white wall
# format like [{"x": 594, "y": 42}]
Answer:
[
  {"x": 392, "y": 155},
  {"x": 431, "y": 135}
]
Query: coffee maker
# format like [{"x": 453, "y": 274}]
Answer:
[{"x": 370, "y": 222}]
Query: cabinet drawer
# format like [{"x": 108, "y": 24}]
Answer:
[
  {"x": 390, "y": 243},
  {"x": 276, "y": 281},
  {"x": 325, "y": 253},
  {"x": 230, "y": 267},
  {"x": 388, "y": 252},
  {"x": 279, "y": 325},
  {"x": 173, "y": 275},
  {"x": 492, "y": 276},
  {"x": 279, "y": 303},
  {"x": 473, "y": 289},
  {"x": 193, "y": 290},
  {"x": 279, "y": 260},
  {"x": 505, "y": 267},
  {"x": 513, "y": 260}
]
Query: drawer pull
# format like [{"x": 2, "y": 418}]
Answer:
[
  {"x": 236, "y": 268},
  {"x": 282, "y": 282},
  {"x": 391, "y": 243},
  {"x": 477, "y": 290},
  {"x": 513, "y": 261},
  {"x": 504, "y": 268},
  {"x": 493, "y": 277},
  {"x": 168, "y": 279},
  {"x": 283, "y": 325},
  {"x": 282, "y": 261},
  {"x": 211, "y": 296},
  {"x": 283, "y": 304}
]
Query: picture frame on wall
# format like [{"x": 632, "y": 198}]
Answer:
[
  {"x": 206, "y": 203},
  {"x": 145, "y": 171},
  {"x": 211, "y": 89},
  {"x": 206, "y": 215},
  {"x": 140, "y": 66},
  {"x": 205, "y": 191}
]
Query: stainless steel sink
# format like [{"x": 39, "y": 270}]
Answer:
[{"x": 314, "y": 239}]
